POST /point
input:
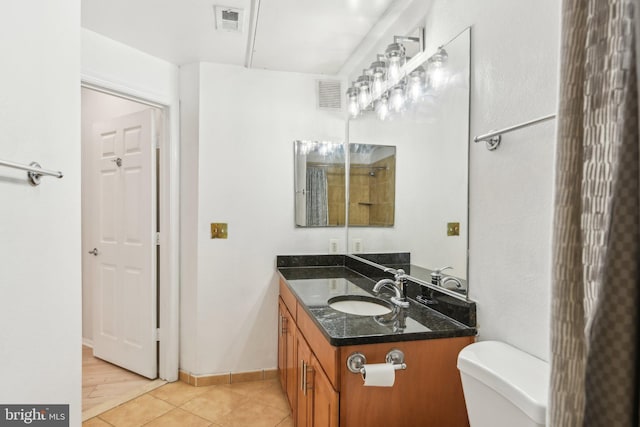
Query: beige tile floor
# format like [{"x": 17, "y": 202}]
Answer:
[{"x": 248, "y": 404}]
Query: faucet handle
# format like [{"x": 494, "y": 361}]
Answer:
[
  {"x": 439, "y": 271},
  {"x": 398, "y": 274}
]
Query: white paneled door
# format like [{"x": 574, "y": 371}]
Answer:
[{"x": 124, "y": 230}]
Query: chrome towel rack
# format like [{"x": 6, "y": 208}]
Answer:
[
  {"x": 34, "y": 171},
  {"x": 493, "y": 138}
]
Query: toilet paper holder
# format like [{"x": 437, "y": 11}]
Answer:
[{"x": 357, "y": 360}]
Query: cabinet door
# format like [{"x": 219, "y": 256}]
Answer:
[
  {"x": 325, "y": 407},
  {"x": 287, "y": 353},
  {"x": 282, "y": 346},
  {"x": 291, "y": 358},
  {"x": 305, "y": 390}
]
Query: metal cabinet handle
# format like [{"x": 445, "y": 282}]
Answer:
[
  {"x": 283, "y": 325},
  {"x": 307, "y": 370},
  {"x": 304, "y": 368},
  {"x": 94, "y": 252},
  {"x": 305, "y": 379}
]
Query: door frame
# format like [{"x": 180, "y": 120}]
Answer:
[{"x": 168, "y": 191}]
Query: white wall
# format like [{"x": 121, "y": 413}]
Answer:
[
  {"x": 515, "y": 48},
  {"x": 114, "y": 65},
  {"x": 96, "y": 107},
  {"x": 40, "y": 307},
  {"x": 248, "y": 120},
  {"x": 189, "y": 193}
]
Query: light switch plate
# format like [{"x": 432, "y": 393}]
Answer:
[{"x": 218, "y": 230}]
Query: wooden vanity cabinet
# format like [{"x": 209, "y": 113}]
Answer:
[{"x": 324, "y": 393}]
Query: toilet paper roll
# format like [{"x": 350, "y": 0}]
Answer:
[{"x": 379, "y": 375}]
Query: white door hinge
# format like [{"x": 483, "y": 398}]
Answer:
[
  {"x": 157, "y": 334},
  {"x": 157, "y": 238}
]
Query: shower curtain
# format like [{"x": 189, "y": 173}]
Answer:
[
  {"x": 595, "y": 285},
  {"x": 317, "y": 197}
]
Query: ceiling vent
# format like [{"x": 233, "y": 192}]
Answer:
[
  {"x": 229, "y": 18},
  {"x": 329, "y": 94}
]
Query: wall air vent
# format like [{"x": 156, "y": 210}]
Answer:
[
  {"x": 229, "y": 18},
  {"x": 329, "y": 94}
]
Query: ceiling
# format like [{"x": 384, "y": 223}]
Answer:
[{"x": 308, "y": 36}]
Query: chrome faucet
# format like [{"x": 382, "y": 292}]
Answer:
[
  {"x": 399, "y": 285},
  {"x": 451, "y": 279},
  {"x": 436, "y": 276}
]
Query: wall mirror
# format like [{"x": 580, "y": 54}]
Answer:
[
  {"x": 319, "y": 184},
  {"x": 431, "y": 134},
  {"x": 372, "y": 184}
]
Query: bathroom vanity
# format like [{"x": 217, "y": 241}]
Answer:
[{"x": 315, "y": 342}]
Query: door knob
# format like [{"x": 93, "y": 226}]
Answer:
[{"x": 94, "y": 252}]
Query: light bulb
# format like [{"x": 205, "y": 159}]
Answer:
[
  {"x": 376, "y": 86},
  {"x": 393, "y": 71},
  {"x": 377, "y": 70},
  {"x": 437, "y": 77},
  {"x": 353, "y": 107},
  {"x": 352, "y": 102},
  {"x": 364, "y": 97},
  {"x": 395, "y": 54},
  {"x": 415, "y": 89},
  {"x": 382, "y": 108},
  {"x": 437, "y": 72},
  {"x": 397, "y": 99}
]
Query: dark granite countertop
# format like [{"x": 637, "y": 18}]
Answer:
[{"x": 314, "y": 286}]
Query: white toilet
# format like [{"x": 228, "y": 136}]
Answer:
[{"x": 503, "y": 386}]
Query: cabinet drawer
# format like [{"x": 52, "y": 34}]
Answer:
[{"x": 288, "y": 298}]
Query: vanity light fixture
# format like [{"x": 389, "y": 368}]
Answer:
[{"x": 394, "y": 80}]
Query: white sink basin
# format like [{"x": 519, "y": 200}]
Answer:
[{"x": 360, "y": 305}]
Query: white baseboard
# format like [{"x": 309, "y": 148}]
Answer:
[{"x": 87, "y": 342}]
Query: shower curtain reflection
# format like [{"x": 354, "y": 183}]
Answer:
[{"x": 317, "y": 197}]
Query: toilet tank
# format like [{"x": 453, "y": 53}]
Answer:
[{"x": 503, "y": 386}]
